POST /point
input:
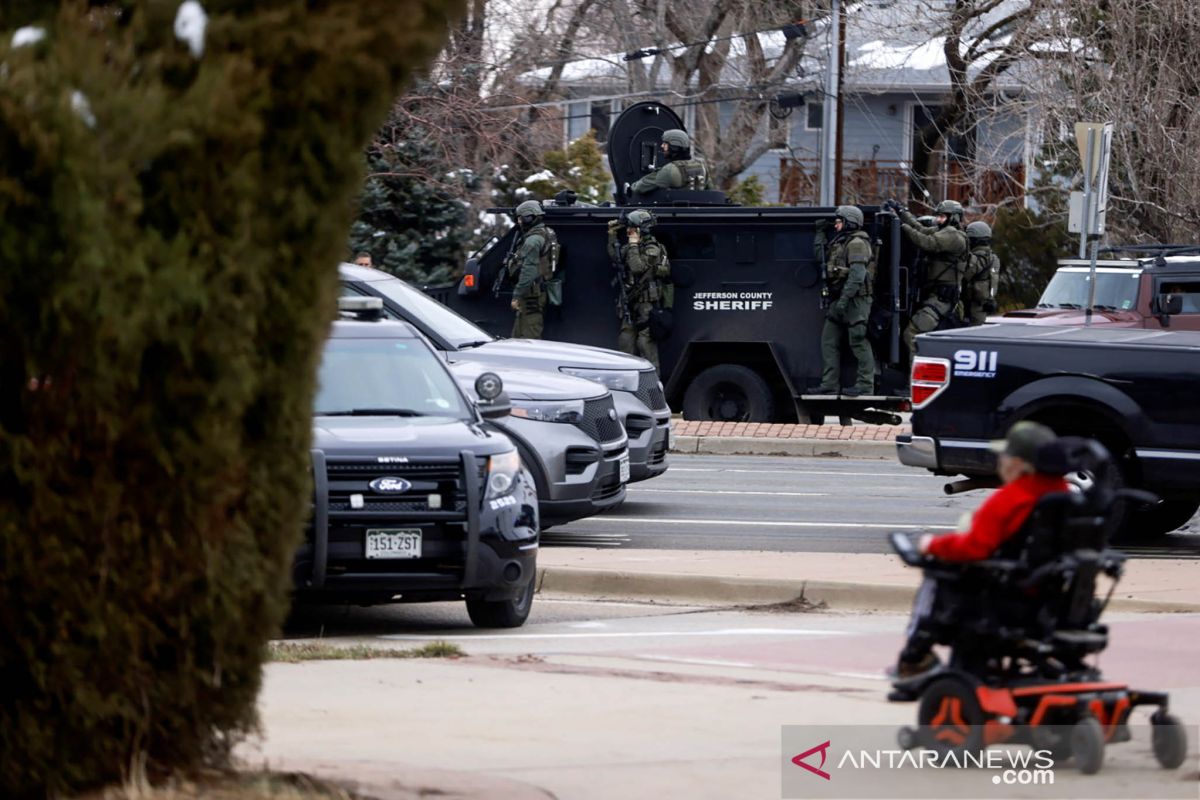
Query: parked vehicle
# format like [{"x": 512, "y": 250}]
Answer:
[
  {"x": 637, "y": 393},
  {"x": 1133, "y": 390},
  {"x": 748, "y": 293},
  {"x": 1159, "y": 290},
  {"x": 415, "y": 498},
  {"x": 569, "y": 437}
]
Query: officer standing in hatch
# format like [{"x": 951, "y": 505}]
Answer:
[
  {"x": 525, "y": 267},
  {"x": 983, "y": 274},
  {"x": 644, "y": 272},
  {"x": 682, "y": 170},
  {"x": 945, "y": 247},
  {"x": 848, "y": 280}
]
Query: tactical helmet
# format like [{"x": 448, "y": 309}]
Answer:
[
  {"x": 852, "y": 216},
  {"x": 641, "y": 219},
  {"x": 530, "y": 208},
  {"x": 677, "y": 138},
  {"x": 979, "y": 230},
  {"x": 951, "y": 208}
]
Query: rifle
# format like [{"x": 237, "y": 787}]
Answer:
[
  {"x": 819, "y": 253},
  {"x": 502, "y": 279},
  {"x": 614, "y": 254}
]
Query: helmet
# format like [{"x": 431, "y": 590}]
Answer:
[
  {"x": 677, "y": 138},
  {"x": 530, "y": 208},
  {"x": 641, "y": 219},
  {"x": 851, "y": 215},
  {"x": 979, "y": 230},
  {"x": 951, "y": 208}
]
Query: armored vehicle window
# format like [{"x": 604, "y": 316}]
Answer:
[
  {"x": 1116, "y": 289},
  {"x": 792, "y": 246},
  {"x": 695, "y": 246},
  {"x": 388, "y": 376},
  {"x": 431, "y": 314}
]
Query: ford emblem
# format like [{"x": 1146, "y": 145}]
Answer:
[{"x": 389, "y": 485}]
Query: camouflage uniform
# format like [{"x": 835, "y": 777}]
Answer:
[
  {"x": 683, "y": 171},
  {"x": 525, "y": 269},
  {"x": 983, "y": 274},
  {"x": 848, "y": 281},
  {"x": 643, "y": 290},
  {"x": 945, "y": 262}
]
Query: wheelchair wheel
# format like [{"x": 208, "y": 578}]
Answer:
[
  {"x": 1169, "y": 740},
  {"x": 950, "y": 716},
  {"x": 1087, "y": 745}
]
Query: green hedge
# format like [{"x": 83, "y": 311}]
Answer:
[{"x": 169, "y": 227}]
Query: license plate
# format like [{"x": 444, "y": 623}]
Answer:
[
  {"x": 393, "y": 543},
  {"x": 624, "y": 468}
]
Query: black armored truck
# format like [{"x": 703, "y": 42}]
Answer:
[
  {"x": 1133, "y": 390},
  {"x": 415, "y": 498},
  {"x": 748, "y": 301}
]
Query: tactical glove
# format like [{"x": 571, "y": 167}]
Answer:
[{"x": 614, "y": 225}]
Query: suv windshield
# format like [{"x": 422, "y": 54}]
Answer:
[
  {"x": 386, "y": 377},
  {"x": 1116, "y": 290},
  {"x": 429, "y": 313}
]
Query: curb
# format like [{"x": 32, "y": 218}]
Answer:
[
  {"x": 764, "y": 446},
  {"x": 715, "y": 589}
]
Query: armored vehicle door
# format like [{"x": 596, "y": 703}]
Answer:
[{"x": 633, "y": 142}]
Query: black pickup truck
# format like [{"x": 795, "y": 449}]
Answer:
[{"x": 1136, "y": 391}]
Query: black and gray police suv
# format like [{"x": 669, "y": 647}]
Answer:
[{"x": 415, "y": 499}]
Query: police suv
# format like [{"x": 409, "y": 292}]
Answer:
[{"x": 415, "y": 498}]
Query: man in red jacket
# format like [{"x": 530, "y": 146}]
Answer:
[{"x": 993, "y": 523}]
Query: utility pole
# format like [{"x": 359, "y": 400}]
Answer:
[
  {"x": 829, "y": 116},
  {"x": 841, "y": 108}
]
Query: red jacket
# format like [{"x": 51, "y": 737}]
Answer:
[{"x": 994, "y": 522}]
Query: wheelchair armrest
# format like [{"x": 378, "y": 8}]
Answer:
[
  {"x": 1003, "y": 565},
  {"x": 904, "y": 547}
]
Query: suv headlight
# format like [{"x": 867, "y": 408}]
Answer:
[
  {"x": 619, "y": 379},
  {"x": 569, "y": 411},
  {"x": 502, "y": 471}
]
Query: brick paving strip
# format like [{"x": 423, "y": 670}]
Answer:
[{"x": 771, "y": 430}]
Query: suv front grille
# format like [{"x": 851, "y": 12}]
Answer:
[
  {"x": 600, "y": 420},
  {"x": 649, "y": 392},
  {"x": 349, "y": 477}
]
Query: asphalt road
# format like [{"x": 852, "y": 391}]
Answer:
[{"x": 792, "y": 504}]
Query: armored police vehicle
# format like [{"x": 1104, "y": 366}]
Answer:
[
  {"x": 748, "y": 306},
  {"x": 415, "y": 499}
]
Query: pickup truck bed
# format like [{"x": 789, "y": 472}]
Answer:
[{"x": 1137, "y": 391}]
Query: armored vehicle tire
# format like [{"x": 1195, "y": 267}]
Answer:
[
  {"x": 501, "y": 613},
  {"x": 729, "y": 393}
]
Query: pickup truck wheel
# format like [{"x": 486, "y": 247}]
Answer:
[
  {"x": 1160, "y": 518},
  {"x": 501, "y": 613},
  {"x": 729, "y": 393}
]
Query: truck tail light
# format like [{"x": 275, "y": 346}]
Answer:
[{"x": 930, "y": 377}]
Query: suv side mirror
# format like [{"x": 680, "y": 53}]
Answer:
[{"x": 1170, "y": 304}]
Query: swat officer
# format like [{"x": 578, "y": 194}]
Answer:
[
  {"x": 644, "y": 272},
  {"x": 526, "y": 267},
  {"x": 983, "y": 274},
  {"x": 682, "y": 170},
  {"x": 849, "y": 275},
  {"x": 945, "y": 248}
]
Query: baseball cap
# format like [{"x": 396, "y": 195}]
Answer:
[{"x": 1024, "y": 440}]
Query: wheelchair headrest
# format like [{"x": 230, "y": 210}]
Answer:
[{"x": 1072, "y": 454}]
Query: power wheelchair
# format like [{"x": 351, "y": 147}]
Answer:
[{"x": 1023, "y": 625}]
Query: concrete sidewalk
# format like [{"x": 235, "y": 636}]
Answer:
[
  {"x": 849, "y": 581},
  {"x": 765, "y": 439}
]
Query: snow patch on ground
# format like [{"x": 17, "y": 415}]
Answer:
[
  {"x": 82, "y": 108},
  {"x": 544, "y": 175}
]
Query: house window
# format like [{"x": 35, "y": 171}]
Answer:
[
  {"x": 815, "y": 115},
  {"x": 601, "y": 119}
]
